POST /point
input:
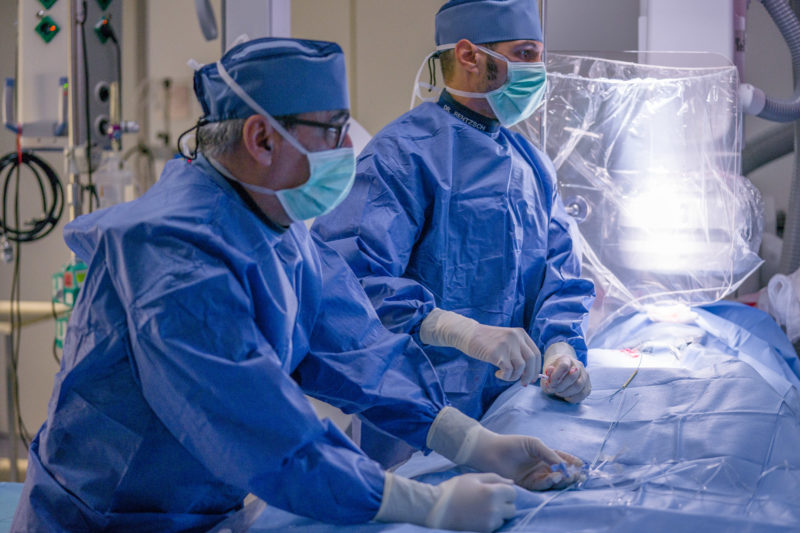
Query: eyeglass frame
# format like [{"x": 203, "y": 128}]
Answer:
[{"x": 340, "y": 129}]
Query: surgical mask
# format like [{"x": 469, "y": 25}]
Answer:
[
  {"x": 519, "y": 96},
  {"x": 332, "y": 171}
]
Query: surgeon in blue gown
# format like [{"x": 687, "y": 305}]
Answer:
[
  {"x": 455, "y": 228},
  {"x": 207, "y": 312}
]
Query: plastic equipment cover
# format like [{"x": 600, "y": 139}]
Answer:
[
  {"x": 647, "y": 158},
  {"x": 704, "y": 438}
]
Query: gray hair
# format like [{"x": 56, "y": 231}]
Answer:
[{"x": 219, "y": 138}]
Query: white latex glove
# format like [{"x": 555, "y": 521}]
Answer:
[
  {"x": 566, "y": 377},
  {"x": 470, "y": 502},
  {"x": 526, "y": 460},
  {"x": 511, "y": 350}
]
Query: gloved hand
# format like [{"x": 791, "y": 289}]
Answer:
[
  {"x": 470, "y": 502},
  {"x": 509, "y": 349},
  {"x": 526, "y": 460},
  {"x": 566, "y": 377}
]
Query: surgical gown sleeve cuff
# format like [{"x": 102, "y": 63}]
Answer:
[
  {"x": 446, "y": 328},
  {"x": 405, "y": 500},
  {"x": 453, "y": 435}
]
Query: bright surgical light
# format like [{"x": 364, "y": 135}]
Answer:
[{"x": 672, "y": 224}]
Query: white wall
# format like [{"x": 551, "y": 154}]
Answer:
[
  {"x": 591, "y": 25},
  {"x": 384, "y": 42},
  {"x": 174, "y": 37}
]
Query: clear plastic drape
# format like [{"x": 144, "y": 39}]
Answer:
[{"x": 646, "y": 149}]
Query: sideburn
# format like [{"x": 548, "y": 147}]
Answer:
[{"x": 491, "y": 69}]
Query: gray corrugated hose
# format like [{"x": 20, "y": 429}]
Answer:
[
  {"x": 767, "y": 146},
  {"x": 784, "y": 111},
  {"x": 775, "y": 109},
  {"x": 790, "y": 253}
]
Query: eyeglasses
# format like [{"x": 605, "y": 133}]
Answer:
[{"x": 335, "y": 134}]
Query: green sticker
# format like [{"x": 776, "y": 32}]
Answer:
[
  {"x": 100, "y": 28},
  {"x": 47, "y": 29}
]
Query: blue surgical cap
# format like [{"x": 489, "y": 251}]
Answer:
[
  {"x": 488, "y": 21},
  {"x": 284, "y": 76}
]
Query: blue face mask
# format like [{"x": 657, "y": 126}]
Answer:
[
  {"x": 332, "y": 171},
  {"x": 519, "y": 96}
]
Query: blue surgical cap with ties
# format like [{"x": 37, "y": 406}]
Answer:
[
  {"x": 488, "y": 21},
  {"x": 284, "y": 76}
]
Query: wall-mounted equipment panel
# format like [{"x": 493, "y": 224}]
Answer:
[{"x": 37, "y": 99}]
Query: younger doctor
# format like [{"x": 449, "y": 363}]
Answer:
[
  {"x": 455, "y": 227},
  {"x": 208, "y": 311}
]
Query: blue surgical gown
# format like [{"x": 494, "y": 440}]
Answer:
[
  {"x": 450, "y": 210},
  {"x": 198, "y": 329}
]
